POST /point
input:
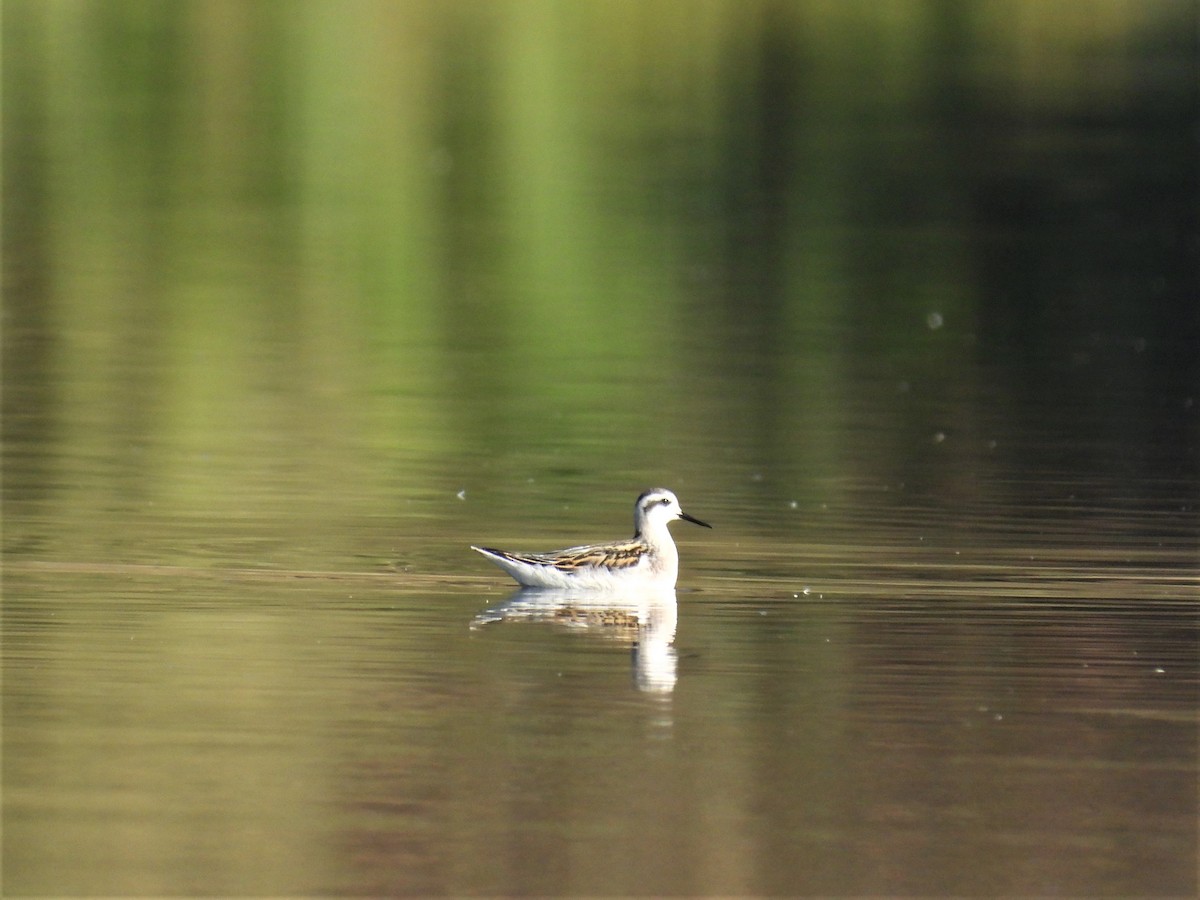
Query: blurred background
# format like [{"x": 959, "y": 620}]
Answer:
[
  {"x": 299, "y": 286},
  {"x": 268, "y": 244}
]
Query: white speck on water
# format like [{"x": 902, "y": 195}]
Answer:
[
  {"x": 934, "y": 321},
  {"x": 939, "y": 436},
  {"x": 1160, "y": 671},
  {"x": 462, "y": 495},
  {"x": 793, "y": 505},
  {"x": 807, "y": 590}
]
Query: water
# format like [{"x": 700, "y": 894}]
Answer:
[
  {"x": 966, "y": 727},
  {"x": 286, "y": 330}
]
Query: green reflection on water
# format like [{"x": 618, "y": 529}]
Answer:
[{"x": 254, "y": 249}]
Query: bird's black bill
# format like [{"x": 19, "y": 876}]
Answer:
[{"x": 694, "y": 521}]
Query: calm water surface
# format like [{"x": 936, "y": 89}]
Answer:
[
  {"x": 946, "y": 716},
  {"x": 300, "y": 302}
]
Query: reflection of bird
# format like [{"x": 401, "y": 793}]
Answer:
[
  {"x": 642, "y": 616},
  {"x": 649, "y": 557}
]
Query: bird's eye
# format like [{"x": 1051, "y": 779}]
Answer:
[{"x": 665, "y": 502}]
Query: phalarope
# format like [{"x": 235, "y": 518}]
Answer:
[{"x": 649, "y": 557}]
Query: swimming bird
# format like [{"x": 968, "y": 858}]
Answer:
[{"x": 648, "y": 558}]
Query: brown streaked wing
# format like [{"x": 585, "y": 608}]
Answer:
[
  {"x": 609, "y": 556},
  {"x": 612, "y": 556}
]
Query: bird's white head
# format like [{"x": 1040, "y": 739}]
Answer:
[{"x": 657, "y": 508}]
